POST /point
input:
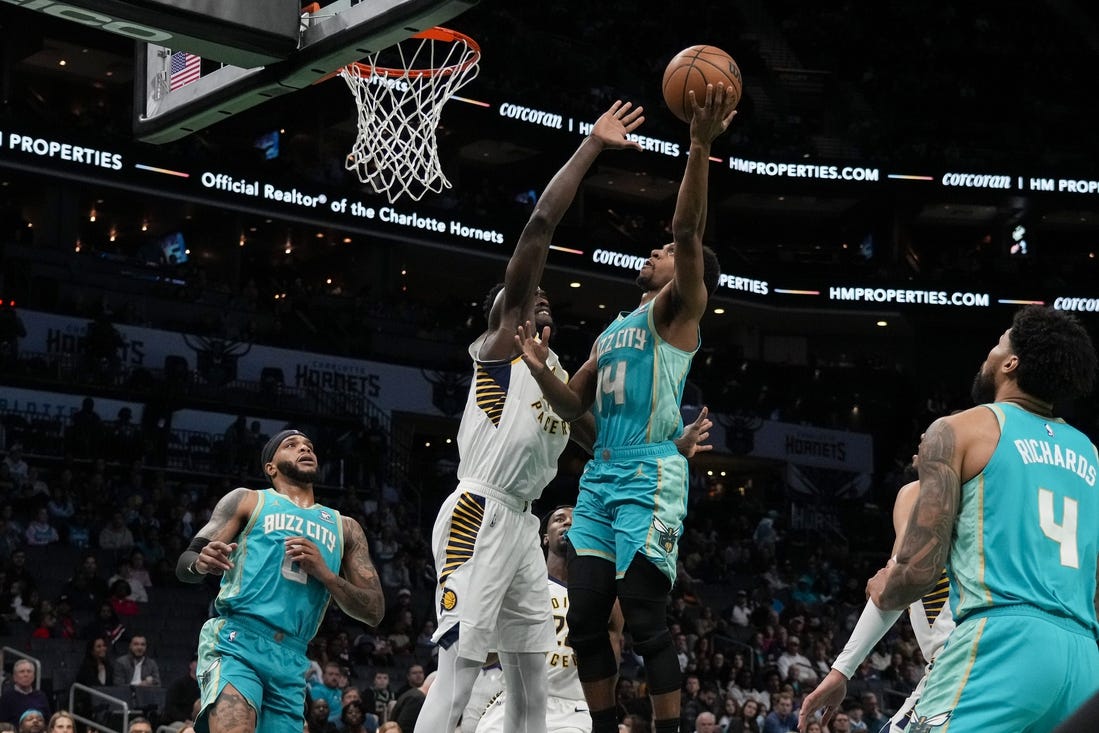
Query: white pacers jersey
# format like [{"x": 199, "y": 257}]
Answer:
[
  {"x": 931, "y": 619},
  {"x": 509, "y": 439},
  {"x": 564, "y": 680}
]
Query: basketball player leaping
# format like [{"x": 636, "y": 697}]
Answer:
[
  {"x": 1008, "y": 503},
  {"x": 931, "y": 620},
  {"x": 633, "y": 493},
  {"x": 491, "y": 591},
  {"x": 282, "y": 557}
]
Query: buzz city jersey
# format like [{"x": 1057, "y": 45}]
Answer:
[
  {"x": 510, "y": 438},
  {"x": 1028, "y": 527},
  {"x": 561, "y": 673},
  {"x": 264, "y": 583},
  {"x": 640, "y": 383},
  {"x": 931, "y": 618}
]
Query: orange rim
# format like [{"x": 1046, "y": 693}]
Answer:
[{"x": 435, "y": 34}]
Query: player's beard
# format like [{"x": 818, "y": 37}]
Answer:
[
  {"x": 645, "y": 281},
  {"x": 290, "y": 470},
  {"x": 983, "y": 389}
]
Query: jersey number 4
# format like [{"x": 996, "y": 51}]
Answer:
[
  {"x": 612, "y": 381},
  {"x": 1064, "y": 534}
]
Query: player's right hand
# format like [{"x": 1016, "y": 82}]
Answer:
[
  {"x": 535, "y": 352},
  {"x": 826, "y": 698},
  {"x": 214, "y": 558},
  {"x": 713, "y": 114},
  {"x": 615, "y": 124}
]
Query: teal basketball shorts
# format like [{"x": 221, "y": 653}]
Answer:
[
  {"x": 632, "y": 500},
  {"x": 265, "y": 666},
  {"x": 1013, "y": 669}
]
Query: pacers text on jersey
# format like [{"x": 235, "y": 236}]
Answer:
[
  {"x": 1041, "y": 451},
  {"x": 549, "y": 422}
]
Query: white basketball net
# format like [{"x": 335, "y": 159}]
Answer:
[{"x": 395, "y": 151}]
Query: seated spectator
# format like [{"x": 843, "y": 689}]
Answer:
[
  {"x": 18, "y": 470},
  {"x": 124, "y": 573},
  {"x": 61, "y": 722},
  {"x": 116, "y": 535},
  {"x": 140, "y": 725},
  {"x": 135, "y": 667},
  {"x": 66, "y": 622},
  {"x": 121, "y": 602},
  {"x": 407, "y": 709},
  {"x": 317, "y": 721},
  {"x": 328, "y": 691},
  {"x": 86, "y": 589},
  {"x": 22, "y": 696},
  {"x": 94, "y": 668},
  {"x": 105, "y": 625},
  {"x": 40, "y": 532},
  {"x": 32, "y": 721},
  {"x": 355, "y": 720},
  {"x": 782, "y": 718},
  {"x": 44, "y": 621}
]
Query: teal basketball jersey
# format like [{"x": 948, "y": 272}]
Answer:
[
  {"x": 264, "y": 583},
  {"x": 1028, "y": 526},
  {"x": 640, "y": 382}
]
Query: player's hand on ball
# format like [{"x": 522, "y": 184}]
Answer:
[
  {"x": 535, "y": 353},
  {"x": 713, "y": 114}
]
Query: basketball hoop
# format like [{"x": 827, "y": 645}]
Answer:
[{"x": 400, "y": 93}]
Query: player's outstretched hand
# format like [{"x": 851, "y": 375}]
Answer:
[
  {"x": 616, "y": 123},
  {"x": 214, "y": 558},
  {"x": 827, "y": 698},
  {"x": 713, "y": 114},
  {"x": 535, "y": 352},
  {"x": 694, "y": 436}
]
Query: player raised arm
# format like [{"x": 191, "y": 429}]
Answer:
[
  {"x": 208, "y": 553},
  {"x": 684, "y": 301},
  {"x": 524, "y": 270}
]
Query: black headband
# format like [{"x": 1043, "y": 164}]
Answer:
[{"x": 272, "y": 445}]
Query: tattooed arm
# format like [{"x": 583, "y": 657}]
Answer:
[
  {"x": 923, "y": 551},
  {"x": 208, "y": 553},
  {"x": 357, "y": 589}
]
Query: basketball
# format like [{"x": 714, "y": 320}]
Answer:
[{"x": 691, "y": 70}]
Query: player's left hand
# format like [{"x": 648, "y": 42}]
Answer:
[
  {"x": 694, "y": 436},
  {"x": 302, "y": 551}
]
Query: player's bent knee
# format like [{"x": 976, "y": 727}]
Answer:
[
  {"x": 595, "y": 658},
  {"x": 661, "y": 662}
]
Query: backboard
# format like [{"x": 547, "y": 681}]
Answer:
[{"x": 330, "y": 37}]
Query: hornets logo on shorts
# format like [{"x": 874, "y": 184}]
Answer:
[
  {"x": 449, "y": 600},
  {"x": 666, "y": 536},
  {"x": 925, "y": 724}
]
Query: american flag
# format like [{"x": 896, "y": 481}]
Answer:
[{"x": 186, "y": 68}]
